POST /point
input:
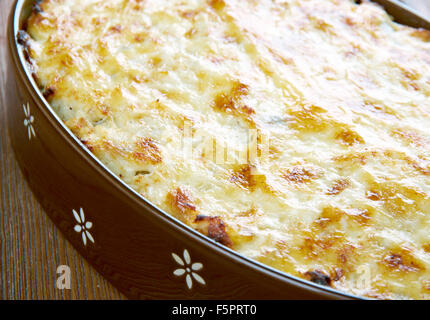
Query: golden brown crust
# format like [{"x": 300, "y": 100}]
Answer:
[
  {"x": 338, "y": 186},
  {"x": 300, "y": 174},
  {"x": 318, "y": 277},
  {"x": 214, "y": 228},
  {"x": 182, "y": 203},
  {"x": 295, "y": 132}
]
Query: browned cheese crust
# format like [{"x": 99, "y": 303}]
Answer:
[{"x": 295, "y": 132}]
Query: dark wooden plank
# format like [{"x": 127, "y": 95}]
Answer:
[{"x": 31, "y": 248}]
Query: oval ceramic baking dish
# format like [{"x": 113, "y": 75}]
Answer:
[{"x": 142, "y": 250}]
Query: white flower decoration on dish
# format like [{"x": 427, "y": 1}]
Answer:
[
  {"x": 83, "y": 226},
  {"x": 188, "y": 269},
  {"x": 28, "y": 121}
]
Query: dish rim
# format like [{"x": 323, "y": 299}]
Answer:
[{"x": 19, "y": 61}]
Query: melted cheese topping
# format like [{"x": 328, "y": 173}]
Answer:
[{"x": 294, "y": 131}]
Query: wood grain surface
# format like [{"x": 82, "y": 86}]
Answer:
[{"x": 31, "y": 248}]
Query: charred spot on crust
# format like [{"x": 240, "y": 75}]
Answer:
[
  {"x": 147, "y": 150},
  {"x": 402, "y": 261},
  {"x": 247, "y": 110},
  {"x": 22, "y": 37},
  {"x": 394, "y": 260},
  {"x": 349, "y": 137},
  {"x": 117, "y": 28},
  {"x": 338, "y": 187},
  {"x": 243, "y": 177},
  {"x": 214, "y": 228},
  {"x": 318, "y": 277},
  {"x": 230, "y": 102},
  {"x": 87, "y": 144},
  {"x": 37, "y": 7},
  {"x": 142, "y": 172},
  {"x": 48, "y": 92},
  {"x": 246, "y": 177},
  {"x": 182, "y": 200},
  {"x": 300, "y": 174},
  {"x": 27, "y": 56},
  {"x": 373, "y": 195}
]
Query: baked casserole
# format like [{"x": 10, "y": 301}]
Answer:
[{"x": 295, "y": 132}]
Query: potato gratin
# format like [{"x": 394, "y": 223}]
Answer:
[{"x": 327, "y": 100}]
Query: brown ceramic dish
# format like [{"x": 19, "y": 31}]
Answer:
[{"x": 127, "y": 239}]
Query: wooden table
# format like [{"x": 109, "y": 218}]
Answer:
[{"x": 31, "y": 247}]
